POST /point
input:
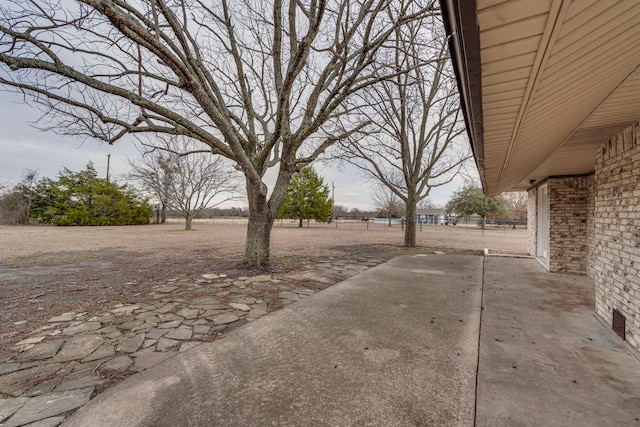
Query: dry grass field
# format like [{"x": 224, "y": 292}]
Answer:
[
  {"x": 46, "y": 271},
  {"x": 227, "y": 237}
]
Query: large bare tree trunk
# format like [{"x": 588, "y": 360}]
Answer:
[
  {"x": 188, "y": 221},
  {"x": 410, "y": 230},
  {"x": 262, "y": 214},
  {"x": 259, "y": 227}
]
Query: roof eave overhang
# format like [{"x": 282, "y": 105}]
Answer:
[{"x": 460, "y": 21}]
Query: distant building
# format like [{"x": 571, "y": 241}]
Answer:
[{"x": 430, "y": 216}]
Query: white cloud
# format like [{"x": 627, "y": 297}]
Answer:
[{"x": 24, "y": 147}]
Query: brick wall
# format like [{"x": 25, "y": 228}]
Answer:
[
  {"x": 591, "y": 226},
  {"x": 568, "y": 221},
  {"x": 615, "y": 249},
  {"x": 532, "y": 216}
]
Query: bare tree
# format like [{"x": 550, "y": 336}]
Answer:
[
  {"x": 150, "y": 171},
  {"x": 414, "y": 149},
  {"x": 29, "y": 180},
  {"x": 188, "y": 183},
  {"x": 16, "y": 201},
  {"x": 387, "y": 202},
  {"x": 340, "y": 211},
  {"x": 6, "y": 202},
  {"x": 517, "y": 204},
  {"x": 425, "y": 204},
  {"x": 261, "y": 83}
]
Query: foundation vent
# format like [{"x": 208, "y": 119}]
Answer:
[{"x": 618, "y": 323}]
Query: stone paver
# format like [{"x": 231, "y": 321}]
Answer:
[
  {"x": 120, "y": 363},
  {"x": 256, "y": 279},
  {"x": 189, "y": 313},
  {"x": 48, "y": 422},
  {"x": 78, "y": 347},
  {"x": 201, "y": 329},
  {"x": 82, "y": 327},
  {"x": 63, "y": 361},
  {"x": 165, "y": 344},
  {"x": 181, "y": 333},
  {"x": 29, "y": 341},
  {"x": 170, "y": 325},
  {"x": 83, "y": 382},
  {"x": 65, "y": 317},
  {"x": 49, "y": 405},
  {"x": 131, "y": 325},
  {"x": 42, "y": 351},
  {"x": 10, "y": 406},
  {"x": 289, "y": 295},
  {"x": 127, "y": 309},
  {"x": 240, "y": 306},
  {"x": 131, "y": 344},
  {"x": 156, "y": 333},
  {"x": 7, "y": 368},
  {"x": 149, "y": 342},
  {"x": 19, "y": 382},
  {"x": 224, "y": 318},
  {"x": 105, "y": 350}
]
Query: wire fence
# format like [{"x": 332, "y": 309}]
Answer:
[{"x": 380, "y": 226}]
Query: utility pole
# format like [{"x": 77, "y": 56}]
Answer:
[
  {"x": 333, "y": 203},
  {"x": 333, "y": 193},
  {"x": 108, "y": 164}
]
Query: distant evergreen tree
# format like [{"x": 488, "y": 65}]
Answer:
[
  {"x": 307, "y": 198},
  {"x": 81, "y": 198}
]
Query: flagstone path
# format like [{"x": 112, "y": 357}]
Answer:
[{"x": 65, "y": 363}]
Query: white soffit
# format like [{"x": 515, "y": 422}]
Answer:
[{"x": 558, "y": 78}]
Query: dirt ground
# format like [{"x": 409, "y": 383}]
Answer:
[{"x": 47, "y": 271}]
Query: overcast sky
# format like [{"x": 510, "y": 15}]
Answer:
[{"x": 24, "y": 147}]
